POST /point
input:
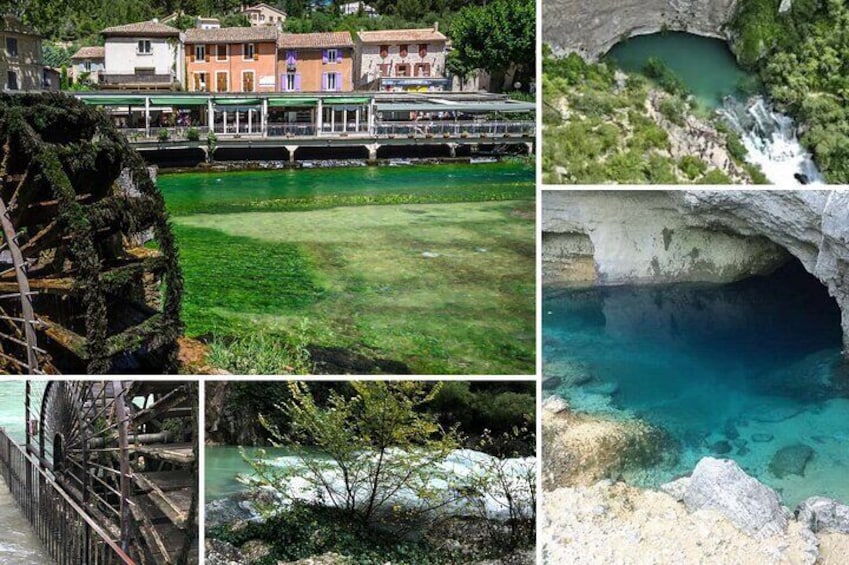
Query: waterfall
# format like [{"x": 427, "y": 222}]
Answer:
[{"x": 770, "y": 140}]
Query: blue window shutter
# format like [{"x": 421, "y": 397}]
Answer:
[
  {"x": 297, "y": 82},
  {"x": 324, "y": 81},
  {"x": 338, "y": 81},
  {"x": 283, "y": 82},
  {"x": 324, "y": 56}
]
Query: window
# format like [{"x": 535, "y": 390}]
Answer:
[
  {"x": 248, "y": 51},
  {"x": 384, "y": 51},
  {"x": 422, "y": 50},
  {"x": 200, "y": 82},
  {"x": 11, "y": 46},
  {"x": 221, "y": 80},
  {"x": 291, "y": 84},
  {"x": 144, "y": 47},
  {"x": 331, "y": 81},
  {"x": 248, "y": 81},
  {"x": 221, "y": 53},
  {"x": 11, "y": 80},
  {"x": 200, "y": 53},
  {"x": 422, "y": 69},
  {"x": 402, "y": 70},
  {"x": 402, "y": 49},
  {"x": 384, "y": 70},
  {"x": 87, "y": 66},
  {"x": 332, "y": 56}
]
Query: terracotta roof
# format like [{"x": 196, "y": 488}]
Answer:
[
  {"x": 142, "y": 29},
  {"x": 231, "y": 34},
  {"x": 314, "y": 40},
  {"x": 401, "y": 35},
  {"x": 261, "y": 5},
  {"x": 89, "y": 53},
  {"x": 11, "y": 24}
]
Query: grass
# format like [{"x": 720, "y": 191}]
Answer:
[{"x": 363, "y": 278}]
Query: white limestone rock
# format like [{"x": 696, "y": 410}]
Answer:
[
  {"x": 721, "y": 485},
  {"x": 823, "y": 514}
]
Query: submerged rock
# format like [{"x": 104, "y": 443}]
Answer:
[
  {"x": 791, "y": 460},
  {"x": 721, "y": 447},
  {"x": 821, "y": 513},
  {"x": 721, "y": 485},
  {"x": 762, "y": 438}
]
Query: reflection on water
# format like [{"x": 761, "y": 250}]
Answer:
[{"x": 740, "y": 370}]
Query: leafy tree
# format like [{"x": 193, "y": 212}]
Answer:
[
  {"x": 497, "y": 37},
  {"x": 375, "y": 444}
]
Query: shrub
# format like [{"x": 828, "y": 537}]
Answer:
[
  {"x": 163, "y": 135},
  {"x": 692, "y": 166},
  {"x": 192, "y": 134}
]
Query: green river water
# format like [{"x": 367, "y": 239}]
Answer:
[{"x": 706, "y": 65}]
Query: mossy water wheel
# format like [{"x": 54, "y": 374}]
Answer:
[
  {"x": 89, "y": 279},
  {"x": 126, "y": 452}
]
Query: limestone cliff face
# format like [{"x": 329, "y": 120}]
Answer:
[
  {"x": 592, "y": 28},
  {"x": 645, "y": 237}
]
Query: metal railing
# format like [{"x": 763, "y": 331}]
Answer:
[
  {"x": 380, "y": 129},
  {"x": 67, "y": 533}
]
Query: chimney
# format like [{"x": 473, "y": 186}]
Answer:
[
  {"x": 435, "y": 26},
  {"x": 155, "y": 20}
]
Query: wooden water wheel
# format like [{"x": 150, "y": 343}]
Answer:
[
  {"x": 89, "y": 280},
  {"x": 127, "y": 452}
]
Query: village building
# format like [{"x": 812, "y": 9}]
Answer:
[
  {"x": 316, "y": 62},
  {"x": 142, "y": 56},
  {"x": 231, "y": 59},
  {"x": 264, "y": 15},
  {"x": 356, "y": 8},
  {"x": 87, "y": 63},
  {"x": 399, "y": 60},
  {"x": 21, "y": 67}
]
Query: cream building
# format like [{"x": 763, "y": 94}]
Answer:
[
  {"x": 262, "y": 15},
  {"x": 401, "y": 60},
  {"x": 144, "y": 55},
  {"x": 21, "y": 66}
]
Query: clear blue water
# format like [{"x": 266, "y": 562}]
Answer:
[
  {"x": 706, "y": 65},
  {"x": 756, "y": 364}
]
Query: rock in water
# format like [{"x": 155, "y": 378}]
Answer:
[
  {"x": 791, "y": 460},
  {"x": 762, "y": 438},
  {"x": 721, "y": 485},
  {"x": 821, "y": 513},
  {"x": 721, "y": 447}
]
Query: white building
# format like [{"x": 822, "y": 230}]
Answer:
[
  {"x": 401, "y": 60},
  {"x": 144, "y": 55},
  {"x": 352, "y": 8},
  {"x": 88, "y": 61},
  {"x": 263, "y": 15}
]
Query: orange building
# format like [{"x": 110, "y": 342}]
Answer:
[
  {"x": 316, "y": 62},
  {"x": 231, "y": 59}
]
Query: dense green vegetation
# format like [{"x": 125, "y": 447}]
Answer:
[
  {"x": 803, "y": 58},
  {"x": 474, "y": 407},
  {"x": 597, "y": 129}
]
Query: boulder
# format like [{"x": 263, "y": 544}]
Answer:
[
  {"x": 721, "y": 485},
  {"x": 823, "y": 514},
  {"x": 554, "y": 404},
  {"x": 677, "y": 488},
  {"x": 791, "y": 460}
]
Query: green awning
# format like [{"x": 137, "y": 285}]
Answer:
[
  {"x": 292, "y": 102},
  {"x": 341, "y": 101},
  {"x": 178, "y": 101},
  {"x": 114, "y": 100},
  {"x": 467, "y": 107},
  {"x": 237, "y": 101}
]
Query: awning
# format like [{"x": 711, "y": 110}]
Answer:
[
  {"x": 114, "y": 100},
  {"x": 291, "y": 102},
  {"x": 237, "y": 101},
  {"x": 346, "y": 101},
  {"x": 179, "y": 101},
  {"x": 469, "y": 108}
]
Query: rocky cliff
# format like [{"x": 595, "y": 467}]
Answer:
[
  {"x": 592, "y": 28},
  {"x": 645, "y": 237}
]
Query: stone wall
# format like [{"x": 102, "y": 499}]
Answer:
[
  {"x": 592, "y": 28},
  {"x": 647, "y": 237}
]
